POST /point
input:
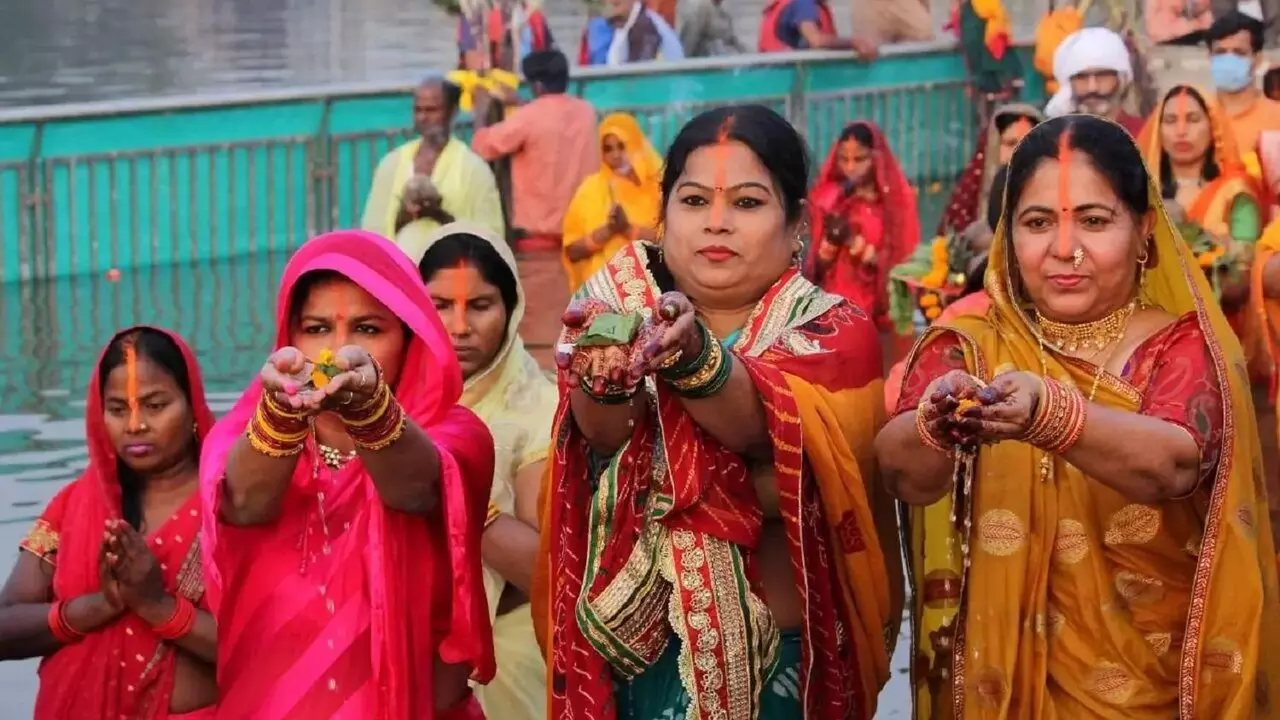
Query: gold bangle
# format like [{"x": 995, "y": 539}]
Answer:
[
  {"x": 708, "y": 370},
  {"x": 494, "y": 514}
]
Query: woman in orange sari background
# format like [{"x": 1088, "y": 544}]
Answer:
[
  {"x": 615, "y": 206},
  {"x": 1191, "y": 151},
  {"x": 1265, "y": 297},
  {"x": 1098, "y": 582},
  {"x": 863, "y": 220}
]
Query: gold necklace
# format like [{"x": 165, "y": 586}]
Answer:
[
  {"x": 333, "y": 457},
  {"x": 1096, "y": 335}
]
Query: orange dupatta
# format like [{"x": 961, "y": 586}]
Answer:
[
  {"x": 1017, "y": 654},
  {"x": 672, "y": 497}
]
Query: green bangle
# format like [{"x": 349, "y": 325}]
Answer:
[
  {"x": 688, "y": 366},
  {"x": 714, "y": 384},
  {"x": 607, "y": 398}
]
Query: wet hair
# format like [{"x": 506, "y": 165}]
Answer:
[
  {"x": 1107, "y": 145},
  {"x": 774, "y": 141},
  {"x": 1232, "y": 22},
  {"x": 1209, "y": 172},
  {"x": 859, "y": 133},
  {"x": 1006, "y": 120},
  {"x": 160, "y": 349},
  {"x": 548, "y": 68},
  {"x": 464, "y": 248}
]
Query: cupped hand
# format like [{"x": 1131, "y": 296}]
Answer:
[
  {"x": 600, "y": 370},
  {"x": 1008, "y": 407},
  {"x": 670, "y": 334},
  {"x": 134, "y": 567},
  {"x": 357, "y": 382},
  {"x": 837, "y": 229},
  {"x": 944, "y": 419},
  {"x": 286, "y": 375},
  {"x": 618, "y": 220}
]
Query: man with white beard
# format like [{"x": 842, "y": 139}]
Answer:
[{"x": 1093, "y": 69}]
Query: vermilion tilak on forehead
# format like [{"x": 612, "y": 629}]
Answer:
[
  {"x": 1182, "y": 107},
  {"x": 131, "y": 381},
  {"x": 461, "y": 296},
  {"x": 722, "y": 161},
  {"x": 340, "y": 319},
  {"x": 1064, "y": 194}
]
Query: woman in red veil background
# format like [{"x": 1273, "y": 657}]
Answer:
[{"x": 863, "y": 219}]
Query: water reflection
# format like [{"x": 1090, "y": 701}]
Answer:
[
  {"x": 53, "y": 332},
  {"x": 60, "y": 51}
]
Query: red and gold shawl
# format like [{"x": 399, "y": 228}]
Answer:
[{"x": 661, "y": 541}]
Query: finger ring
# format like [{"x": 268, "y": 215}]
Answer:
[{"x": 350, "y": 396}]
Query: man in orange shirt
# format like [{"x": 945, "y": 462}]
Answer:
[
  {"x": 552, "y": 146},
  {"x": 1235, "y": 42}
]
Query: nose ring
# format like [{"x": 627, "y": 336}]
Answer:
[{"x": 1077, "y": 258}]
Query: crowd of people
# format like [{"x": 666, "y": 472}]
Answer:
[{"x": 705, "y": 508}]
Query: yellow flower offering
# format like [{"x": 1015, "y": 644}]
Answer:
[
  {"x": 937, "y": 275},
  {"x": 933, "y": 312},
  {"x": 324, "y": 369},
  {"x": 964, "y": 405},
  {"x": 928, "y": 300}
]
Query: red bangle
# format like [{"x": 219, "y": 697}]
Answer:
[
  {"x": 61, "y": 629},
  {"x": 180, "y": 623}
]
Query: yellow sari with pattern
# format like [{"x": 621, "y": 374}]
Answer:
[
  {"x": 1073, "y": 601},
  {"x": 517, "y": 402}
]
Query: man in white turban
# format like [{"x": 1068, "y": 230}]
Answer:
[{"x": 1093, "y": 70}]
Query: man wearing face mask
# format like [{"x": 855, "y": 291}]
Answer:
[
  {"x": 434, "y": 179},
  {"x": 1235, "y": 44},
  {"x": 1093, "y": 68}
]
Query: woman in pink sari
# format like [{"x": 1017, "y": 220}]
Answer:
[
  {"x": 863, "y": 220},
  {"x": 345, "y": 495}
]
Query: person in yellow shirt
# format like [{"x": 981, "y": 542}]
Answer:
[
  {"x": 615, "y": 206},
  {"x": 1235, "y": 43},
  {"x": 432, "y": 180}
]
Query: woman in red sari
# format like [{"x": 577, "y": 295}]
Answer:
[
  {"x": 863, "y": 220},
  {"x": 345, "y": 495},
  {"x": 717, "y": 544},
  {"x": 107, "y": 586}
]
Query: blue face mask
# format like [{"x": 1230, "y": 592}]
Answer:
[{"x": 1231, "y": 73}]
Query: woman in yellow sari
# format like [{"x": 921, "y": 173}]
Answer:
[
  {"x": 1105, "y": 548},
  {"x": 717, "y": 544},
  {"x": 1265, "y": 296},
  {"x": 615, "y": 206},
  {"x": 472, "y": 277}
]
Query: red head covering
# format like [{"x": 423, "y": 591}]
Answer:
[
  {"x": 413, "y": 616},
  {"x": 79, "y": 681},
  {"x": 896, "y": 199}
]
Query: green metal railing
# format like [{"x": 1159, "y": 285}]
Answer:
[{"x": 85, "y": 189}]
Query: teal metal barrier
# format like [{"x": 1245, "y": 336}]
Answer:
[{"x": 87, "y": 189}]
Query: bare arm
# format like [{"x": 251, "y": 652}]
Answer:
[
  {"x": 24, "y": 611},
  {"x": 1167, "y": 468},
  {"x": 912, "y": 471},
  {"x": 510, "y": 544},
  {"x": 606, "y": 427},
  {"x": 406, "y": 473},
  {"x": 734, "y": 416},
  {"x": 255, "y": 484}
]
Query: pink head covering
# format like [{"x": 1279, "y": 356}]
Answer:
[{"x": 428, "y": 389}]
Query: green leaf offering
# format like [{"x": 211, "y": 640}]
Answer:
[{"x": 612, "y": 329}]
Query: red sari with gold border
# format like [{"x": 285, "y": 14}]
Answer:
[{"x": 662, "y": 540}]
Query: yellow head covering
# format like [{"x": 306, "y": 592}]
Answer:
[
  {"x": 644, "y": 159},
  {"x": 1019, "y": 524}
]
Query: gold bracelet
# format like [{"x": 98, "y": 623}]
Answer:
[{"x": 494, "y": 514}]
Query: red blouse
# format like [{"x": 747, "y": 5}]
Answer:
[{"x": 1172, "y": 370}]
